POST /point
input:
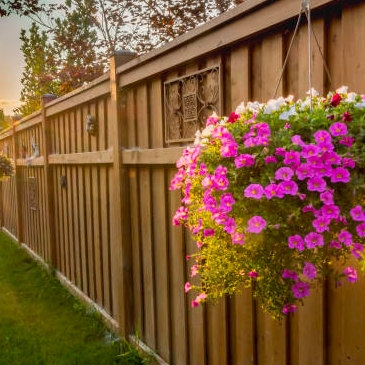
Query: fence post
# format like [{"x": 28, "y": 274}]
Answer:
[
  {"x": 18, "y": 183},
  {"x": 50, "y": 216},
  {"x": 121, "y": 255}
]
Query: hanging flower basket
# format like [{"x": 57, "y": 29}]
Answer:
[
  {"x": 274, "y": 196},
  {"x": 6, "y": 166}
]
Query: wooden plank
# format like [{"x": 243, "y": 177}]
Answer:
[
  {"x": 65, "y": 211},
  {"x": 97, "y": 236},
  {"x": 353, "y": 60},
  {"x": 177, "y": 256},
  {"x": 152, "y": 156},
  {"x": 38, "y": 161},
  {"x": 79, "y": 131},
  {"x": 70, "y": 214},
  {"x": 120, "y": 218},
  {"x": 97, "y": 157},
  {"x": 17, "y": 182},
  {"x": 102, "y": 125},
  {"x": 94, "y": 138}
]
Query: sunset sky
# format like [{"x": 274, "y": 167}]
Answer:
[{"x": 11, "y": 62}]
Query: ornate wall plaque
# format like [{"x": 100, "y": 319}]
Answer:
[
  {"x": 32, "y": 192},
  {"x": 189, "y": 100}
]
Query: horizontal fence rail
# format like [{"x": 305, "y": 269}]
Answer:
[{"x": 90, "y": 195}]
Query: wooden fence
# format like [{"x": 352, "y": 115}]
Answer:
[{"x": 97, "y": 206}]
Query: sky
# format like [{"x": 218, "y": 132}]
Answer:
[{"x": 11, "y": 61}]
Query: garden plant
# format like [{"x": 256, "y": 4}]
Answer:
[{"x": 274, "y": 196}]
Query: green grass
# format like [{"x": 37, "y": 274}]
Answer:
[{"x": 42, "y": 324}]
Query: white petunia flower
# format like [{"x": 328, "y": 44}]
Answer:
[
  {"x": 342, "y": 90},
  {"x": 197, "y": 138},
  {"x": 240, "y": 108},
  {"x": 289, "y": 98},
  {"x": 285, "y": 115},
  {"x": 351, "y": 97},
  {"x": 254, "y": 106},
  {"x": 314, "y": 92},
  {"x": 360, "y": 105},
  {"x": 207, "y": 132}
]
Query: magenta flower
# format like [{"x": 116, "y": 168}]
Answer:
[
  {"x": 209, "y": 232},
  {"x": 357, "y": 248},
  {"x": 309, "y": 271},
  {"x": 304, "y": 171},
  {"x": 203, "y": 169},
  {"x": 327, "y": 147},
  {"x": 324, "y": 171},
  {"x": 291, "y": 157},
  {"x": 194, "y": 270},
  {"x": 315, "y": 161},
  {"x": 316, "y": 184},
  {"x": 187, "y": 287},
  {"x": 302, "y": 196},
  {"x": 348, "y": 162},
  {"x": 250, "y": 142},
  {"x": 288, "y": 187},
  {"x": 345, "y": 237},
  {"x": 221, "y": 132},
  {"x": 219, "y": 218},
  {"x": 263, "y": 129},
  {"x": 272, "y": 191},
  {"x": 244, "y": 160},
  {"x": 339, "y": 174},
  {"x": 330, "y": 211},
  {"x": 256, "y": 224},
  {"x": 327, "y": 197},
  {"x": 346, "y": 117},
  {"x": 331, "y": 158},
  {"x": 360, "y": 229},
  {"x": 297, "y": 140},
  {"x": 289, "y": 308},
  {"x": 310, "y": 150},
  {"x": 300, "y": 289},
  {"x": 357, "y": 214},
  {"x": 351, "y": 274},
  {"x": 238, "y": 239},
  {"x": 198, "y": 227},
  {"x": 212, "y": 121},
  {"x": 177, "y": 181},
  {"x": 321, "y": 224},
  {"x": 322, "y": 137},
  {"x": 335, "y": 244},
  {"x": 230, "y": 226},
  {"x": 226, "y": 202},
  {"x": 336, "y": 99},
  {"x": 208, "y": 181},
  {"x": 296, "y": 242},
  {"x": 270, "y": 159},
  {"x": 284, "y": 173},
  {"x": 289, "y": 274},
  {"x": 253, "y": 274},
  {"x": 181, "y": 214},
  {"x": 338, "y": 129},
  {"x": 313, "y": 239},
  {"x": 210, "y": 203},
  {"x": 280, "y": 151},
  {"x": 287, "y": 126},
  {"x": 308, "y": 208},
  {"x": 347, "y": 141},
  {"x": 254, "y": 191},
  {"x": 229, "y": 149}
]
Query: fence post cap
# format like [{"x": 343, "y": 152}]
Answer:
[{"x": 123, "y": 56}]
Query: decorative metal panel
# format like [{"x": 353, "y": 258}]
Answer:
[
  {"x": 32, "y": 192},
  {"x": 189, "y": 101}
]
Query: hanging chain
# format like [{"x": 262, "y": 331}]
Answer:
[{"x": 305, "y": 8}]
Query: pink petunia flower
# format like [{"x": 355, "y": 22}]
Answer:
[
  {"x": 227, "y": 202},
  {"x": 310, "y": 150},
  {"x": 210, "y": 203},
  {"x": 280, "y": 151},
  {"x": 348, "y": 162},
  {"x": 194, "y": 270},
  {"x": 331, "y": 158},
  {"x": 209, "y": 232},
  {"x": 254, "y": 191},
  {"x": 290, "y": 274},
  {"x": 335, "y": 244},
  {"x": 229, "y": 149},
  {"x": 313, "y": 239},
  {"x": 315, "y": 161},
  {"x": 339, "y": 174},
  {"x": 309, "y": 270},
  {"x": 272, "y": 191},
  {"x": 289, "y": 308},
  {"x": 304, "y": 171},
  {"x": 203, "y": 169},
  {"x": 284, "y": 173},
  {"x": 244, "y": 160},
  {"x": 297, "y": 140},
  {"x": 324, "y": 171},
  {"x": 357, "y": 248},
  {"x": 351, "y": 274},
  {"x": 300, "y": 289},
  {"x": 253, "y": 274},
  {"x": 357, "y": 214},
  {"x": 346, "y": 117},
  {"x": 316, "y": 184},
  {"x": 338, "y": 129},
  {"x": 181, "y": 214},
  {"x": 230, "y": 226},
  {"x": 327, "y": 197},
  {"x": 347, "y": 141},
  {"x": 196, "y": 229},
  {"x": 321, "y": 224},
  {"x": 360, "y": 229},
  {"x": 187, "y": 287},
  {"x": 212, "y": 121},
  {"x": 256, "y": 224},
  {"x": 330, "y": 211},
  {"x": 238, "y": 238},
  {"x": 322, "y": 137},
  {"x": 288, "y": 187},
  {"x": 296, "y": 242},
  {"x": 345, "y": 237},
  {"x": 221, "y": 132},
  {"x": 270, "y": 159},
  {"x": 291, "y": 157}
]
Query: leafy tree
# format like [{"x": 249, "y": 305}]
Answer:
[
  {"x": 37, "y": 76},
  {"x": 19, "y": 7}
]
